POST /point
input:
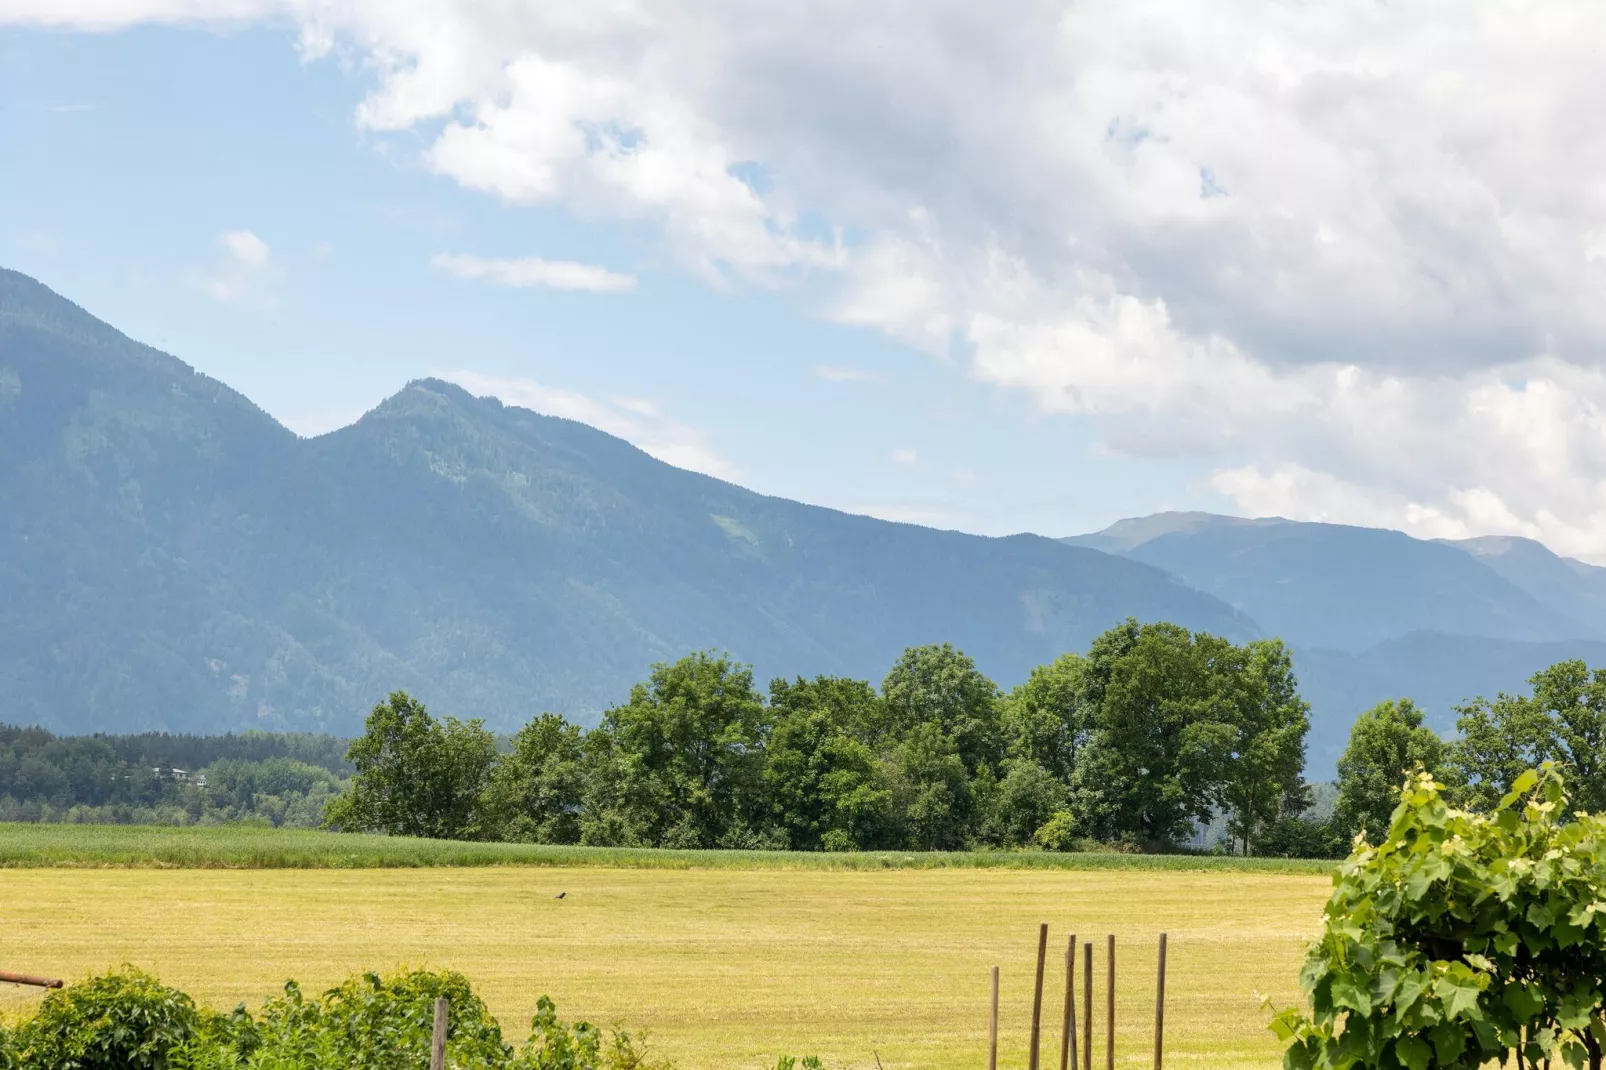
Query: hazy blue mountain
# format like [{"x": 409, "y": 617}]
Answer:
[
  {"x": 1341, "y": 587},
  {"x": 171, "y": 557},
  {"x": 1565, "y": 584},
  {"x": 1438, "y": 671}
]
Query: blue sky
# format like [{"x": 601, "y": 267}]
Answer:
[
  {"x": 123, "y": 175},
  {"x": 1033, "y": 268}
]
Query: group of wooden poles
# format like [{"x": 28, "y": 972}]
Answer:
[{"x": 1069, "y": 1052}]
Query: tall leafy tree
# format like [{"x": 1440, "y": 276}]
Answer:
[
  {"x": 1386, "y": 744},
  {"x": 822, "y": 782},
  {"x": 536, "y": 790},
  {"x": 1563, "y": 720},
  {"x": 416, "y": 776},
  {"x": 1045, "y": 718},
  {"x": 941, "y": 687},
  {"x": 1261, "y": 746},
  {"x": 931, "y": 790},
  {"x": 1159, "y": 726},
  {"x": 686, "y": 756},
  {"x": 1022, "y": 802}
]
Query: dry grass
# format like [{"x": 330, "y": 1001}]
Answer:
[{"x": 724, "y": 968}]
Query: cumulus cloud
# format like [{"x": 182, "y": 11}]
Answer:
[
  {"x": 904, "y": 456},
  {"x": 1352, "y": 255},
  {"x": 638, "y": 421},
  {"x": 246, "y": 275},
  {"x": 533, "y": 271}
]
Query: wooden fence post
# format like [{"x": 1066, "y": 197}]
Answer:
[
  {"x": 1159, "y": 1009},
  {"x": 437, "y": 1048},
  {"x": 1037, "y": 997},
  {"x": 1068, "y": 1058},
  {"x": 1087, "y": 1006},
  {"x": 992, "y": 1027},
  {"x": 1109, "y": 1009}
]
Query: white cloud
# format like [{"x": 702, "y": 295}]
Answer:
[
  {"x": 247, "y": 275},
  {"x": 246, "y": 248},
  {"x": 1351, "y": 255},
  {"x": 832, "y": 373},
  {"x": 532, "y": 271},
  {"x": 636, "y": 420},
  {"x": 906, "y": 457}
]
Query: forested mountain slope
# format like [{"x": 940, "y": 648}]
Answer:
[{"x": 171, "y": 557}]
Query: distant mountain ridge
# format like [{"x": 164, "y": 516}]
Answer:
[
  {"x": 1348, "y": 588},
  {"x": 173, "y": 558}
]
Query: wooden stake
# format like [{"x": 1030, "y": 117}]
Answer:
[
  {"x": 1109, "y": 1006},
  {"x": 437, "y": 1049},
  {"x": 1087, "y": 1006},
  {"x": 1068, "y": 1059},
  {"x": 992, "y": 1027},
  {"x": 1037, "y": 996},
  {"x": 1159, "y": 1009}
]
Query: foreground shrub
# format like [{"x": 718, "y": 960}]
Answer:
[
  {"x": 126, "y": 1020},
  {"x": 368, "y": 1021},
  {"x": 129, "y": 1021},
  {"x": 1462, "y": 939}
]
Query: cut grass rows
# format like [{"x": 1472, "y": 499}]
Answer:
[
  {"x": 727, "y": 969},
  {"x": 241, "y": 847}
]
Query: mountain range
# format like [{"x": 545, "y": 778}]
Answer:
[{"x": 173, "y": 558}]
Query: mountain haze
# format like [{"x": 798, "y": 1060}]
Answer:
[
  {"x": 174, "y": 558},
  {"x": 1374, "y": 615},
  {"x": 1341, "y": 587}
]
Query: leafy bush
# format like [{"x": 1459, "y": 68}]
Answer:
[
  {"x": 1301, "y": 837},
  {"x": 555, "y": 1046},
  {"x": 126, "y": 1020},
  {"x": 1461, "y": 939},
  {"x": 129, "y": 1021}
]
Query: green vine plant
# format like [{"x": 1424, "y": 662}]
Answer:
[{"x": 1462, "y": 940}]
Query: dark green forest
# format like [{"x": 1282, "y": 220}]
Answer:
[{"x": 160, "y": 779}]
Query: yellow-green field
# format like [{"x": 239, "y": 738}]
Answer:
[{"x": 725, "y": 968}]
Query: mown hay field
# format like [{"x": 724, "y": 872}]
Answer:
[{"x": 724, "y": 968}]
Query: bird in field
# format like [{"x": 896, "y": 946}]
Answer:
[{"x": 560, "y": 895}]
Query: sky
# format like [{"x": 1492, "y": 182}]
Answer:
[{"x": 1028, "y": 266}]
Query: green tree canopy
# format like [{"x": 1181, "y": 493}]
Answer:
[
  {"x": 1262, "y": 746},
  {"x": 1562, "y": 721},
  {"x": 1045, "y": 720},
  {"x": 416, "y": 776},
  {"x": 940, "y": 686},
  {"x": 1386, "y": 743},
  {"x": 1158, "y": 730},
  {"x": 821, "y": 780},
  {"x": 686, "y": 755},
  {"x": 536, "y": 791}
]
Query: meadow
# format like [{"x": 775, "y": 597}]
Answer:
[
  {"x": 249, "y": 847},
  {"x": 724, "y": 967}
]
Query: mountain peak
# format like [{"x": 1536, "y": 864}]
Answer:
[{"x": 1132, "y": 532}]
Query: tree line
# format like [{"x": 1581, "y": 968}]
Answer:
[
  {"x": 1135, "y": 742},
  {"x": 157, "y": 778}
]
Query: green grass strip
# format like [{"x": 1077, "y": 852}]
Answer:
[{"x": 245, "y": 847}]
